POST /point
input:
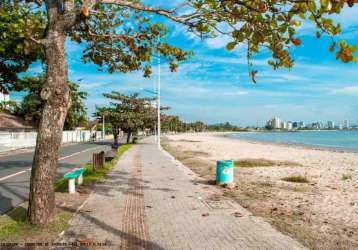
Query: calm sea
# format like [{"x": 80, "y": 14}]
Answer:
[{"x": 344, "y": 140}]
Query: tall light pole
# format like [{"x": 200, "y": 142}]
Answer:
[
  {"x": 158, "y": 101},
  {"x": 103, "y": 132},
  {"x": 158, "y": 114}
]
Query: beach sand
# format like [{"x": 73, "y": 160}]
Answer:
[{"x": 322, "y": 214}]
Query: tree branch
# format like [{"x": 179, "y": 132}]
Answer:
[
  {"x": 123, "y": 38},
  {"x": 138, "y": 6},
  {"x": 38, "y": 2},
  {"x": 41, "y": 42}
]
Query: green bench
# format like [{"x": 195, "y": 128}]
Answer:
[{"x": 76, "y": 173}]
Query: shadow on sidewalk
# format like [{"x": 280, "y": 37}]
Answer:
[
  {"x": 137, "y": 243},
  {"x": 119, "y": 182}
]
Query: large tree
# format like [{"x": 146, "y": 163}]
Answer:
[
  {"x": 127, "y": 113},
  {"x": 121, "y": 35}
]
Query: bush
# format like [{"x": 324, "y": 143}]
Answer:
[{"x": 346, "y": 177}]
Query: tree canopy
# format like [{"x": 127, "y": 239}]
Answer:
[
  {"x": 127, "y": 113},
  {"x": 122, "y": 36},
  {"x": 16, "y": 51},
  {"x": 31, "y": 106}
]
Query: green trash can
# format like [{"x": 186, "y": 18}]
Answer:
[{"x": 224, "y": 172}]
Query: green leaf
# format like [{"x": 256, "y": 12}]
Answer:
[{"x": 230, "y": 46}]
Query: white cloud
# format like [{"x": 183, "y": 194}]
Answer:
[
  {"x": 91, "y": 86},
  {"x": 218, "y": 42},
  {"x": 281, "y": 77},
  {"x": 352, "y": 90},
  {"x": 348, "y": 17}
]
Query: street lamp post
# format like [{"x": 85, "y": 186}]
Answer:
[
  {"x": 158, "y": 102},
  {"x": 103, "y": 129},
  {"x": 158, "y": 113},
  {"x": 158, "y": 124}
]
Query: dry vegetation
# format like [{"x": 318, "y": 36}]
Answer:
[
  {"x": 247, "y": 163},
  {"x": 286, "y": 204},
  {"x": 296, "y": 178}
]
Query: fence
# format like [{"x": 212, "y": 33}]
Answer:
[{"x": 13, "y": 140}]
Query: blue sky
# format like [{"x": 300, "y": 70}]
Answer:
[{"x": 214, "y": 86}]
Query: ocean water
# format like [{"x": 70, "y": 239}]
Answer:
[{"x": 342, "y": 140}]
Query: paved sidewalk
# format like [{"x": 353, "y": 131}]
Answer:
[{"x": 151, "y": 201}]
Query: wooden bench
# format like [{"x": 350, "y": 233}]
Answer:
[{"x": 76, "y": 173}]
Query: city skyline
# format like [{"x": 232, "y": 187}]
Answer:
[{"x": 278, "y": 123}]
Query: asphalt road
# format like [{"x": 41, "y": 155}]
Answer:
[{"x": 15, "y": 170}]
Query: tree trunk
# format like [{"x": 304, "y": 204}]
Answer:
[
  {"x": 56, "y": 94},
  {"x": 129, "y": 134},
  {"x": 116, "y": 139},
  {"x": 115, "y": 132}
]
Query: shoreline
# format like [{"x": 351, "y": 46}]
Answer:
[{"x": 294, "y": 145}]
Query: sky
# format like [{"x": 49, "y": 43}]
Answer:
[{"x": 213, "y": 86}]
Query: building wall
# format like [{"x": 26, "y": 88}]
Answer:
[
  {"x": 4, "y": 97},
  {"x": 13, "y": 140}
]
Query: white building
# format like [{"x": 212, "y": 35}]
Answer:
[
  {"x": 346, "y": 124},
  {"x": 330, "y": 125},
  {"x": 284, "y": 125},
  {"x": 4, "y": 97},
  {"x": 301, "y": 125},
  {"x": 289, "y": 125},
  {"x": 276, "y": 123}
]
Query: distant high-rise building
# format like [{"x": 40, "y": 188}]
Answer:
[
  {"x": 316, "y": 125},
  {"x": 301, "y": 125},
  {"x": 274, "y": 123},
  {"x": 284, "y": 125},
  {"x": 330, "y": 125},
  {"x": 346, "y": 124},
  {"x": 277, "y": 123},
  {"x": 289, "y": 125}
]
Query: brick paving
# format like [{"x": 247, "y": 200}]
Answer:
[{"x": 151, "y": 201}]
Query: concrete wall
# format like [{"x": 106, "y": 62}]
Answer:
[{"x": 13, "y": 140}]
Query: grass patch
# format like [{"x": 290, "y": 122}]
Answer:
[
  {"x": 190, "y": 153},
  {"x": 296, "y": 178},
  {"x": 346, "y": 177},
  {"x": 90, "y": 177},
  {"x": 300, "y": 189},
  {"x": 264, "y": 184},
  {"x": 13, "y": 226},
  {"x": 250, "y": 163},
  {"x": 184, "y": 140}
]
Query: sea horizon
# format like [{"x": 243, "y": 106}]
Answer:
[{"x": 338, "y": 140}]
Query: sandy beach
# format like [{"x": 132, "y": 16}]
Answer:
[{"x": 322, "y": 214}]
